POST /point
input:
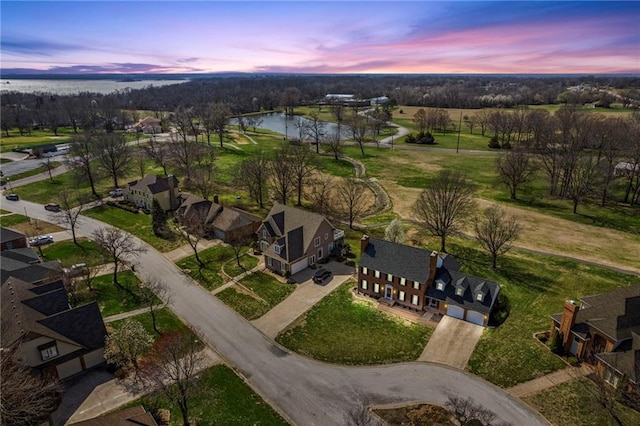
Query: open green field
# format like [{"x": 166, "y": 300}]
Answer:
[
  {"x": 575, "y": 403},
  {"x": 37, "y": 137},
  {"x": 221, "y": 398},
  {"x": 69, "y": 253},
  {"x": 37, "y": 171},
  {"x": 138, "y": 224},
  {"x": 209, "y": 275},
  {"x": 166, "y": 321},
  {"x": 267, "y": 287},
  {"x": 342, "y": 330}
]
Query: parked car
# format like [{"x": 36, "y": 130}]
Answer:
[
  {"x": 52, "y": 207},
  {"x": 12, "y": 197},
  {"x": 76, "y": 270},
  {"x": 321, "y": 275},
  {"x": 41, "y": 240},
  {"x": 116, "y": 193}
]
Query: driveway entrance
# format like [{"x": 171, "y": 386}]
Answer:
[{"x": 452, "y": 342}]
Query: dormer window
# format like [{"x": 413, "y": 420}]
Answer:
[
  {"x": 48, "y": 351},
  {"x": 276, "y": 248},
  {"x": 479, "y": 297},
  {"x": 440, "y": 285},
  {"x": 459, "y": 291}
]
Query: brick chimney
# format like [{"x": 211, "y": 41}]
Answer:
[
  {"x": 569, "y": 314},
  {"x": 364, "y": 242},
  {"x": 433, "y": 265},
  {"x": 215, "y": 198}
]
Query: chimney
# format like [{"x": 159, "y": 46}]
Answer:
[
  {"x": 215, "y": 198},
  {"x": 433, "y": 265},
  {"x": 364, "y": 242},
  {"x": 569, "y": 315}
]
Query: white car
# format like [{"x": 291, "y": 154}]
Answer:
[
  {"x": 41, "y": 240},
  {"x": 116, "y": 192}
]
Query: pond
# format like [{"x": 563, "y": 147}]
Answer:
[{"x": 289, "y": 126}]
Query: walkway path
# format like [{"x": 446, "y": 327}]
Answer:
[
  {"x": 186, "y": 250},
  {"x": 129, "y": 314},
  {"x": 549, "y": 381}
]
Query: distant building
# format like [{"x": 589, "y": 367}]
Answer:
[
  {"x": 339, "y": 97},
  {"x": 379, "y": 100},
  {"x": 149, "y": 125}
]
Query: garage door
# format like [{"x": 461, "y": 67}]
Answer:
[
  {"x": 475, "y": 317},
  {"x": 299, "y": 266},
  {"x": 69, "y": 368},
  {"x": 455, "y": 311}
]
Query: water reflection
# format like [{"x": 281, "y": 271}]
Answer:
[{"x": 286, "y": 125}]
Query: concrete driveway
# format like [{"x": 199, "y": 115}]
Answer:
[
  {"x": 452, "y": 342},
  {"x": 302, "y": 299}
]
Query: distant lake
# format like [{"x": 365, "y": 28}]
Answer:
[
  {"x": 71, "y": 87},
  {"x": 286, "y": 125}
]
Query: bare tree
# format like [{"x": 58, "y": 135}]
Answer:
[
  {"x": 121, "y": 247},
  {"x": 290, "y": 98},
  {"x": 444, "y": 205},
  {"x": 316, "y": 129},
  {"x": 150, "y": 291},
  {"x": 320, "y": 194},
  {"x": 172, "y": 366},
  {"x": 183, "y": 154},
  {"x": 27, "y": 398},
  {"x": 465, "y": 410},
  {"x": 126, "y": 344},
  {"x": 359, "y": 128},
  {"x": 281, "y": 173},
  {"x": 254, "y": 175},
  {"x": 302, "y": 167},
  {"x": 183, "y": 121},
  {"x": 81, "y": 153},
  {"x": 254, "y": 121},
  {"x": 420, "y": 119},
  {"x": 193, "y": 227},
  {"x": 515, "y": 168},
  {"x": 48, "y": 165},
  {"x": 351, "y": 192},
  {"x": 113, "y": 155},
  {"x": 216, "y": 119},
  {"x": 203, "y": 175},
  {"x": 71, "y": 206},
  {"x": 158, "y": 153},
  {"x": 496, "y": 232},
  {"x": 394, "y": 232},
  {"x": 334, "y": 145},
  {"x": 584, "y": 179}
]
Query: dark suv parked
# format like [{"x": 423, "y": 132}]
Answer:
[{"x": 320, "y": 275}]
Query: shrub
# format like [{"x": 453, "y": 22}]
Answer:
[
  {"x": 410, "y": 139},
  {"x": 126, "y": 207},
  {"x": 493, "y": 143},
  {"x": 425, "y": 138},
  {"x": 500, "y": 311},
  {"x": 556, "y": 343},
  {"x": 573, "y": 361}
]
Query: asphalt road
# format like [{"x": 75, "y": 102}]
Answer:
[{"x": 306, "y": 392}]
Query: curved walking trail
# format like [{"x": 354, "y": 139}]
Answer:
[{"x": 304, "y": 391}]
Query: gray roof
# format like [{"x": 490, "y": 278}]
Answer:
[
  {"x": 615, "y": 314},
  {"x": 154, "y": 183},
  {"x": 134, "y": 416},
  {"x": 471, "y": 286},
  {"x": 7, "y": 234},
  {"x": 399, "y": 260},
  {"x": 626, "y": 359}
]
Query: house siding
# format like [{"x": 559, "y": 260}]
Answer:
[{"x": 382, "y": 281}]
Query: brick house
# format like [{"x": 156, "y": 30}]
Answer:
[
  {"x": 603, "y": 330},
  {"x": 423, "y": 281},
  {"x": 10, "y": 239},
  {"x": 291, "y": 239},
  {"x": 225, "y": 223},
  {"x": 163, "y": 189}
]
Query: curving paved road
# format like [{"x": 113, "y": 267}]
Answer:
[{"x": 306, "y": 392}]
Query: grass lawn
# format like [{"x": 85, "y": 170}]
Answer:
[
  {"x": 138, "y": 224},
  {"x": 244, "y": 304},
  {"x": 111, "y": 299},
  {"x": 246, "y": 260},
  {"x": 36, "y": 137},
  {"x": 222, "y": 398},
  {"x": 575, "y": 403},
  {"x": 33, "y": 172},
  {"x": 536, "y": 287},
  {"x": 13, "y": 219},
  {"x": 68, "y": 253},
  {"x": 165, "y": 319},
  {"x": 267, "y": 287},
  {"x": 209, "y": 275},
  {"x": 342, "y": 330}
]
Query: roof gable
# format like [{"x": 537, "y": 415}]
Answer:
[{"x": 397, "y": 259}]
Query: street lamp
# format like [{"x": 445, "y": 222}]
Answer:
[{"x": 9, "y": 182}]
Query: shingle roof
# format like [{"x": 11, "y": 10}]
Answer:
[
  {"x": 18, "y": 266},
  {"x": 156, "y": 184},
  {"x": 24, "y": 255},
  {"x": 626, "y": 359},
  {"x": 471, "y": 285},
  {"x": 232, "y": 218},
  {"x": 397, "y": 259},
  {"x": 134, "y": 416},
  {"x": 7, "y": 234}
]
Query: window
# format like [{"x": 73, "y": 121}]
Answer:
[
  {"x": 377, "y": 274},
  {"x": 265, "y": 235},
  {"x": 479, "y": 297},
  {"x": 403, "y": 281},
  {"x": 440, "y": 285},
  {"x": 316, "y": 241},
  {"x": 459, "y": 291},
  {"x": 320, "y": 253},
  {"x": 283, "y": 266},
  {"x": 416, "y": 285},
  {"x": 389, "y": 277},
  {"x": 376, "y": 288},
  {"x": 326, "y": 236},
  {"x": 415, "y": 300},
  {"x": 611, "y": 377},
  {"x": 363, "y": 284},
  {"x": 269, "y": 261},
  {"x": 264, "y": 245},
  {"x": 364, "y": 270},
  {"x": 48, "y": 351},
  {"x": 433, "y": 303},
  {"x": 401, "y": 295},
  {"x": 276, "y": 248}
]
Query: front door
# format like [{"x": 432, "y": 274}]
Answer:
[{"x": 388, "y": 292}]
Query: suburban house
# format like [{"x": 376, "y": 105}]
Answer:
[
  {"x": 225, "y": 223},
  {"x": 604, "y": 329},
  {"x": 134, "y": 416},
  {"x": 149, "y": 125},
  {"x": 43, "y": 332},
  {"x": 24, "y": 264},
  {"x": 10, "y": 239},
  {"x": 163, "y": 189},
  {"x": 423, "y": 281},
  {"x": 292, "y": 239}
]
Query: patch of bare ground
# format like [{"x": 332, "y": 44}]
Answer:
[
  {"x": 546, "y": 233},
  {"x": 36, "y": 227},
  {"x": 416, "y": 415}
]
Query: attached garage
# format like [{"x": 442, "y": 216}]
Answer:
[
  {"x": 455, "y": 311},
  {"x": 69, "y": 368},
  {"x": 475, "y": 317},
  {"x": 299, "y": 266}
]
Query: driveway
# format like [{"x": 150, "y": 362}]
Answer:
[
  {"x": 304, "y": 391},
  {"x": 452, "y": 342},
  {"x": 302, "y": 299}
]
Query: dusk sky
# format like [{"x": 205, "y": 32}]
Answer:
[{"x": 321, "y": 37}]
